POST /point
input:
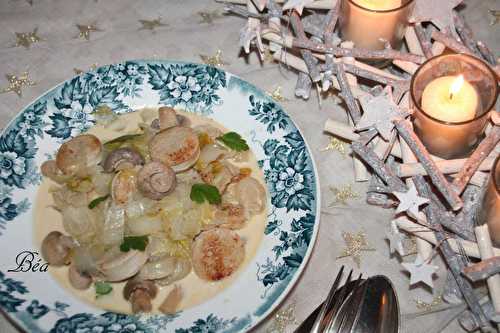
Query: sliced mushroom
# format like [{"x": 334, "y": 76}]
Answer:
[
  {"x": 217, "y": 253},
  {"x": 167, "y": 117},
  {"x": 56, "y": 248},
  {"x": 230, "y": 216},
  {"x": 177, "y": 147},
  {"x": 140, "y": 293},
  {"x": 249, "y": 193},
  {"x": 122, "y": 265},
  {"x": 79, "y": 153},
  {"x": 168, "y": 269},
  {"x": 122, "y": 158},
  {"x": 123, "y": 186},
  {"x": 156, "y": 180},
  {"x": 79, "y": 280},
  {"x": 171, "y": 302},
  {"x": 49, "y": 169}
]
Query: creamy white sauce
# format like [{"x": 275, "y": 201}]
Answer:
[{"x": 195, "y": 290}]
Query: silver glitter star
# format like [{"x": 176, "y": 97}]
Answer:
[
  {"x": 410, "y": 201},
  {"x": 395, "y": 240},
  {"x": 420, "y": 272}
]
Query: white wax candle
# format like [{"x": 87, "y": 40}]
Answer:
[
  {"x": 378, "y": 4},
  {"x": 450, "y": 99}
]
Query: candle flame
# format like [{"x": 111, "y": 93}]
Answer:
[{"x": 456, "y": 85}]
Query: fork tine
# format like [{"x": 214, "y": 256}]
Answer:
[
  {"x": 346, "y": 290},
  {"x": 317, "y": 326},
  {"x": 355, "y": 301}
]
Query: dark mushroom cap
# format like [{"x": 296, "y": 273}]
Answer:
[
  {"x": 56, "y": 248},
  {"x": 134, "y": 284},
  {"x": 156, "y": 180},
  {"x": 120, "y": 157}
]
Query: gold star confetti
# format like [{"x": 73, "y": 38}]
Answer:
[
  {"x": 343, "y": 194},
  {"x": 276, "y": 95},
  {"x": 421, "y": 305},
  {"x": 86, "y": 29},
  {"x": 336, "y": 144},
  {"x": 355, "y": 245},
  {"x": 80, "y": 71},
  {"x": 209, "y": 16},
  {"x": 496, "y": 16},
  {"x": 282, "y": 319},
  {"x": 27, "y": 38},
  {"x": 17, "y": 83},
  {"x": 151, "y": 24},
  {"x": 267, "y": 56},
  {"x": 215, "y": 60}
]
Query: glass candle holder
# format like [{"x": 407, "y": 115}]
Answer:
[
  {"x": 451, "y": 96},
  {"x": 368, "y": 23},
  {"x": 489, "y": 212}
]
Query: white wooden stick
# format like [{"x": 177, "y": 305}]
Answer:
[
  {"x": 341, "y": 130},
  {"x": 437, "y": 48},
  {"x": 407, "y": 66},
  {"x": 486, "y": 251},
  {"x": 412, "y": 41}
]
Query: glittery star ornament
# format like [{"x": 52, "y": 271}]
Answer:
[
  {"x": 86, "y": 29},
  {"x": 298, "y": 5},
  {"x": 336, "y": 144},
  {"x": 395, "y": 239},
  {"x": 379, "y": 112},
  {"x": 215, "y": 60},
  {"x": 27, "y": 38},
  {"x": 343, "y": 194},
  {"x": 209, "y": 16},
  {"x": 282, "y": 319},
  {"x": 438, "y": 12},
  {"x": 151, "y": 24},
  {"x": 355, "y": 245},
  {"x": 276, "y": 95},
  {"x": 410, "y": 201},
  {"x": 496, "y": 16},
  {"x": 17, "y": 83},
  {"x": 420, "y": 271},
  {"x": 429, "y": 306}
]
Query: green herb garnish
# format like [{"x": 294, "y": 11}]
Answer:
[
  {"x": 123, "y": 138},
  {"x": 233, "y": 141},
  {"x": 134, "y": 242},
  {"x": 202, "y": 192},
  {"x": 102, "y": 288},
  {"x": 93, "y": 204}
]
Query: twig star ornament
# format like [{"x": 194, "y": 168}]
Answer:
[
  {"x": 27, "y": 38},
  {"x": 86, "y": 29},
  {"x": 152, "y": 24},
  {"x": 298, "y": 5},
  {"x": 282, "y": 319},
  {"x": 410, "y": 201},
  {"x": 17, "y": 83},
  {"x": 438, "y": 12},
  {"x": 420, "y": 271},
  {"x": 215, "y": 60},
  {"x": 355, "y": 245},
  {"x": 395, "y": 240}
]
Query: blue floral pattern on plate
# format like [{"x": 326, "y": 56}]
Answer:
[{"x": 68, "y": 110}]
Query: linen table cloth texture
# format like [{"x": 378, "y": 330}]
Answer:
[{"x": 185, "y": 36}]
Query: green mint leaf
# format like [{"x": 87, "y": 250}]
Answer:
[
  {"x": 102, "y": 288},
  {"x": 233, "y": 141},
  {"x": 93, "y": 204},
  {"x": 134, "y": 242},
  {"x": 202, "y": 192}
]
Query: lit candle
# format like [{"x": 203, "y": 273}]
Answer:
[
  {"x": 450, "y": 99},
  {"x": 368, "y": 23},
  {"x": 489, "y": 213}
]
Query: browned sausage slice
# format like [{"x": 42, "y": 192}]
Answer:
[{"x": 177, "y": 147}]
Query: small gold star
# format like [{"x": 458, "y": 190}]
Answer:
[
  {"x": 355, "y": 244},
  {"x": 421, "y": 305},
  {"x": 151, "y": 24},
  {"x": 336, "y": 144},
  {"x": 496, "y": 16},
  {"x": 16, "y": 83},
  {"x": 276, "y": 95},
  {"x": 80, "y": 71},
  {"x": 282, "y": 319},
  {"x": 209, "y": 16},
  {"x": 267, "y": 56},
  {"x": 343, "y": 194},
  {"x": 215, "y": 60},
  {"x": 27, "y": 38},
  {"x": 86, "y": 29}
]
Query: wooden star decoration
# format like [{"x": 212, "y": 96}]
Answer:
[
  {"x": 17, "y": 83},
  {"x": 86, "y": 29},
  {"x": 379, "y": 113},
  {"x": 496, "y": 16},
  {"x": 209, "y": 17},
  {"x": 282, "y": 319},
  {"x": 420, "y": 272},
  {"x": 248, "y": 34},
  {"x": 438, "y": 12},
  {"x": 151, "y": 24},
  {"x": 342, "y": 194},
  {"x": 277, "y": 95},
  {"x": 298, "y": 5},
  {"x": 395, "y": 240},
  {"x": 336, "y": 144},
  {"x": 27, "y": 38},
  {"x": 215, "y": 60},
  {"x": 355, "y": 245},
  {"x": 410, "y": 201}
]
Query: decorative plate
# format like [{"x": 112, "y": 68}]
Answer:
[{"x": 33, "y": 299}]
